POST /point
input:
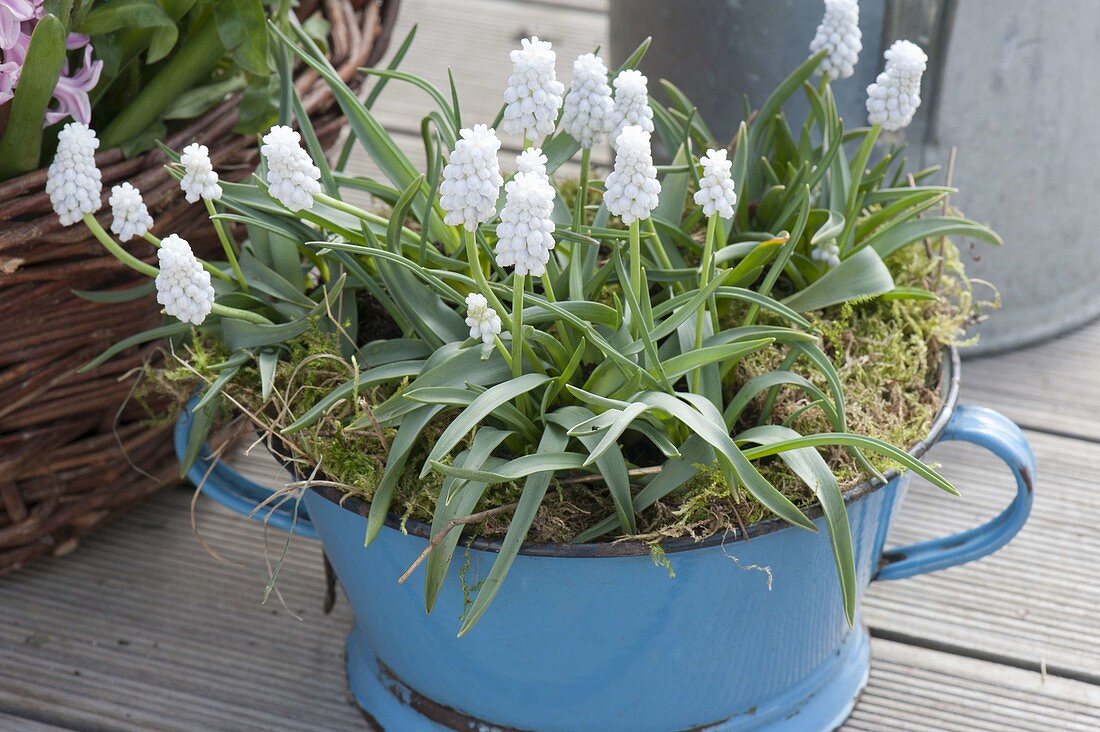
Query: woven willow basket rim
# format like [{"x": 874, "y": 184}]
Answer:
[{"x": 71, "y": 455}]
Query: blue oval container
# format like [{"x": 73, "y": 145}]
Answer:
[{"x": 750, "y": 634}]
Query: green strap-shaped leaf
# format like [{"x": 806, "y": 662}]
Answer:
[
  {"x": 812, "y": 469},
  {"x": 888, "y": 240},
  {"x": 674, "y": 473},
  {"x": 610, "y": 462},
  {"x": 22, "y": 139},
  {"x": 758, "y": 384},
  {"x": 403, "y": 442},
  {"x": 862, "y": 441},
  {"x": 462, "y": 503},
  {"x": 481, "y": 407},
  {"x": 860, "y": 276},
  {"x": 714, "y": 432},
  {"x": 534, "y": 489}
]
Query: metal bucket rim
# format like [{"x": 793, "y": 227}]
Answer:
[{"x": 949, "y": 386}]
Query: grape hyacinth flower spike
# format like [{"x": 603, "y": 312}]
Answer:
[
  {"x": 469, "y": 190},
  {"x": 183, "y": 286},
  {"x": 531, "y": 160},
  {"x": 588, "y": 106},
  {"x": 534, "y": 94},
  {"x": 525, "y": 236},
  {"x": 483, "y": 320},
  {"x": 199, "y": 179},
  {"x": 292, "y": 178},
  {"x": 894, "y": 97},
  {"x": 631, "y": 103},
  {"x": 839, "y": 34},
  {"x": 73, "y": 181},
  {"x": 633, "y": 192},
  {"x": 717, "y": 198},
  {"x": 130, "y": 216}
]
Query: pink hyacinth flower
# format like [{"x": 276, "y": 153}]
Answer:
[
  {"x": 13, "y": 13},
  {"x": 71, "y": 92}
]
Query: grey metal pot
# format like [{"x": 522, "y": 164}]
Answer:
[{"x": 1010, "y": 84}]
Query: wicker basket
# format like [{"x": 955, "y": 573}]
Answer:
[{"x": 73, "y": 447}]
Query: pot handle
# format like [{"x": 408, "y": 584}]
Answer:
[
  {"x": 233, "y": 490},
  {"x": 1000, "y": 435}
]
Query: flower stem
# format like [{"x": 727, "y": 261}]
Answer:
[
  {"x": 503, "y": 350},
  {"x": 479, "y": 276},
  {"x": 246, "y": 315},
  {"x": 705, "y": 271},
  {"x": 636, "y": 262},
  {"x": 113, "y": 247},
  {"x": 152, "y": 239},
  {"x": 227, "y": 245},
  {"x": 582, "y": 190},
  {"x": 517, "y": 324}
]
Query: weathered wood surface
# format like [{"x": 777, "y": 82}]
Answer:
[
  {"x": 143, "y": 629},
  {"x": 1053, "y": 386}
]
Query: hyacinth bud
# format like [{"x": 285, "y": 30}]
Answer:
[
  {"x": 130, "y": 216},
  {"x": 632, "y": 188},
  {"x": 73, "y": 181},
  {"x": 631, "y": 103},
  {"x": 588, "y": 106},
  {"x": 199, "y": 179},
  {"x": 533, "y": 96},
  {"x": 291, "y": 175},
  {"x": 183, "y": 286},
  {"x": 839, "y": 33},
  {"x": 895, "y": 96},
  {"x": 526, "y": 232},
  {"x": 716, "y": 194},
  {"x": 531, "y": 160},
  {"x": 483, "y": 320},
  {"x": 827, "y": 252},
  {"x": 471, "y": 179}
]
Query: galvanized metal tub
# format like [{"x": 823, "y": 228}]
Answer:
[{"x": 749, "y": 634}]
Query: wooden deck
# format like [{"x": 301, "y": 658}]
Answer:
[{"x": 142, "y": 629}]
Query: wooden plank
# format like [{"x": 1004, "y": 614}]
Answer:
[
  {"x": 142, "y": 629},
  {"x": 918, "y": 689},
  {"x": 23, "y": 724},
  {"x": 1036, "y": 600},
  {"x": 1053, "y": 386}
]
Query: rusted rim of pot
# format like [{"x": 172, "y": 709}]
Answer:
[{"x": 949, "y": 387}]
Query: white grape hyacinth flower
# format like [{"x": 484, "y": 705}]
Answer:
[
  {"x": 531, "y": 160},
  {"x": 534, "y": 94},
  {"x": 483, "y": 320},
  {"x": 895, "y": 96},
  {"x": 632, "y": 187},
  {"x": 827, "y": 252},
  {"x": 716, "y": 194},
  {"x": 471, "y": 179},
  {"x": 73, "y": 181},
  {"x": 839, "y": 33},
  {"x": 631, "y": 103},
  {"x": 292, "y": 178},
  {"x": 589, "y": 107},
  {"x": 525, "y": 234},
  {"x": 130, "y": 217},
  {"x": 199, "y": 179},
  {"x": 183, "y": 286}
]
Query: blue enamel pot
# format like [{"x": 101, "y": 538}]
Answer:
[{"x": 750, "y": 634}]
